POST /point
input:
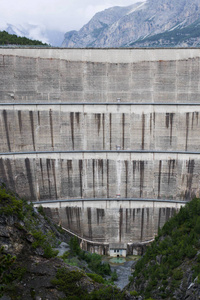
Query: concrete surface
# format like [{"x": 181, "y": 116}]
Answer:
[{"x": 76, "y": 81}]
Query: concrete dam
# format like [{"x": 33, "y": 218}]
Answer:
[{"x": 107, "y": 140}]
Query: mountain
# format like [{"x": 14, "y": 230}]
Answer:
[
  {"x": 91, "y": 33},
  {"x": 152, "y": 23},
  {"x": 35, "y": 32}
]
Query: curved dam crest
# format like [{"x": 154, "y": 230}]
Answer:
[{"x": 116, "y": 126}]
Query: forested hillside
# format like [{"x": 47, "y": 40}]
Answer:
[
  {"x": 12, "y": 39},
  {"x": 170, "y": 269}
]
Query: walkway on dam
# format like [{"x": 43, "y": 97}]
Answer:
[
  {"x": 107, "y": 199},
  {"x": 100, "y": 151},
  {"x": 100, "y": 103}
]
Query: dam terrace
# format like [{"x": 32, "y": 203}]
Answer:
[{"x": 106, "y": 140}]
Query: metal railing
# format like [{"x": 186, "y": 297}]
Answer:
[
  {"x": 109, "y": 199},
  {"x": 100, "y": 151}
]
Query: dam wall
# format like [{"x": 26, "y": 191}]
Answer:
[
  {"x": 99, "y": 75},
  {"x": 51, "y": 176},
  {"x": 68, "y": 127},
  {"x": 107, "y": 140},
  {"x": 108, "y": 221}
]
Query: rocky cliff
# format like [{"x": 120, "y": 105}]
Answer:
[
  {"x": 152, "y": 23},
  {"x": 29, "y": 266}
]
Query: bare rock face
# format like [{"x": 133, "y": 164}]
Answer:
[
  {"x": 96, "y": 28},
  {"x": 139, "y": 24}
]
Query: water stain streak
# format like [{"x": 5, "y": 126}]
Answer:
[
  {"x": 93, "y": 176},
  {"x": 20, "y": 120},
  {"x": 80, "y": 177},
  {"x": 72, "y": 128},
  {"x": 107, "y": 178},
  {"x": 10, "y": 174},
  {"x": 32, "y": 128},
  {"x": 48, "y": 164},
  {"x": 143, "y": 130},
  {"x": 120, "y": 223},
  {"x": 159, "y": 178},
  {"x": 89, "y": 214},
  {"x": 126, "y": 182},
  {"x": 141, "y": 177},
  {"x": 41, "y": 168},
  {"x": 3, "y": 172},
  {"x": 171, "y": 164},
  {"x": 29, "y": 177},
  {"x": 142, "y": 225},
  {"x": 123, "y": 130},
  {"x": 187, "y": 130},
  {"x": 54, "y": 176},
  {"x": 103, "y": 121},
  {"x": 51, "y": 128},
  {"x": 6, "y": 128},
  {"x": 110, "y": 117}
]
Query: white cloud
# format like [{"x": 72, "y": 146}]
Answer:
[
  {"x": 63, "y": 15},
  {"x": 37, "y": 34}
]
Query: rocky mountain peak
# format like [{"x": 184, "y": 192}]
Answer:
[{"x": 135, "y": 24}]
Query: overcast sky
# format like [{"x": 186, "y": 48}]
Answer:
[{"x": 63, "y": 15}]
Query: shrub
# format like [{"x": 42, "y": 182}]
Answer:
[
  {"x": 190, "y": 251},
  {"x": 9, "y": 271},
  {"x": 178, "y": 274},
  {"x": 198, "y": 279},
  {"x": 67, "y": 282},
  {"x": 41, "y": 210},
  {"x": 96, "y": 277},
  {"x": 39, "y": 237},
  {"x": 6, "y": 262},
  {"x": 134, "y": 293},
  {"x": 114, "y": 276},
  {"x": 196, "y": 269},
  {"x": 74, "y": 246},
  {"x": 94, "y": 261},
  {"x": 65, "y": 255},
  {"x": 43, "y": 241},
  {"x": 50, "y": 252},
  {"x": 198, "y": 258},
  {"x": 107, "y": 293},
  {"x": 72, "y": 261},
  {"x": 10, "y": 205}
]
